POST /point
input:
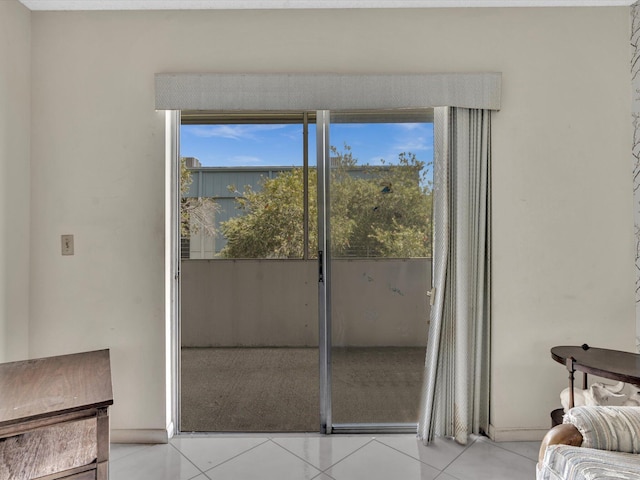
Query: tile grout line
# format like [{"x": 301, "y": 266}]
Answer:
[
  {"x": 189, "y": 460},
  {"x": 227, "y": 460},
  {"x": 236, "y": 456},
  {"x": 320, "y": 472},
  {"x": 497, "y": 444},
  {"x": 448, "y": 474},
  {"x": 323, "y": 473},
  {"x": 371, "y": 440},
  {"x": 466, "y": 447},
  {"x": 143, "y": 447},
  {"x": 425, "y": 463},
  {"x": 407, "y": 455}
]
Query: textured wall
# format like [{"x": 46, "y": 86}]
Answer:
[
  {"x": 15, "y": 128},
  {"x": 635, "y": 113}
]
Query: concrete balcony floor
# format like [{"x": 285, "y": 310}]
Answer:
[{"x": 276, "y": 389}]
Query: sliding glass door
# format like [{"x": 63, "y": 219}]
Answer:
[
  {"x": 305, "y": 268},
  {"x": 249, "y": 331},
  {"x": 376, "y": 194}
]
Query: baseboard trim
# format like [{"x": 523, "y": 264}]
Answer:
[
  {"x": 140, "y": 435},
  {"x": 517, "y": 434}
]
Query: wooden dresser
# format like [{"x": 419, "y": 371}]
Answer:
[{"x": 54, "y": 419}]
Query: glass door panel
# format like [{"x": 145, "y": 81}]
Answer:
[
  {"x": 380, "y": 251},
  {"x": 249, "y": 331}
]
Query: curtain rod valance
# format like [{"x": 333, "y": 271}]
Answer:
[{"x": 282, "y": 92}]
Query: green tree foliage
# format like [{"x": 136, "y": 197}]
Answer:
[
  {"x": 271, "y": 225},
  {"x": 196, "y": 214},
  {"x": 376, "y": 211},
  {"x": 389, "y": 209}
]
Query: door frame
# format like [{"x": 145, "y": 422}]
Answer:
[
  {"x": 173, "y": 280},
  {"x": 323, "y": 164},
  {"x": 172, "y": 275}
]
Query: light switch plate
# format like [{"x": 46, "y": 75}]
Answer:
[{"x": 67, "y": 244}]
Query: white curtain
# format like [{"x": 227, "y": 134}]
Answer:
[{"x": 455, "y": 399}]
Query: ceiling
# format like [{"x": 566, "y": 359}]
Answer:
[{"x": 279, "y": 4}]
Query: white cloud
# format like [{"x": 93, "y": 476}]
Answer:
[
  {"x": 415, "y": 137},
  {"x": 416, "y": 144},
  {"x": 234, "y": 132},
  {"x": 410, "y": 126}
]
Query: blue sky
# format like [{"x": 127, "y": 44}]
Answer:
[{"x": 281, "y": 145}]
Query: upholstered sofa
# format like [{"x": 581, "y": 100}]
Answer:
[{"x": 592, "y": 443}]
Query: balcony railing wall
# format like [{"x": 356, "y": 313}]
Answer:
[{"x": 232, "y": 303}]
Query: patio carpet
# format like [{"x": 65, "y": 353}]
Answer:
[{"x": 276, "y": 389}]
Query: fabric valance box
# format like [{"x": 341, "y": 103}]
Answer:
[{"x": 324, "y": 91}]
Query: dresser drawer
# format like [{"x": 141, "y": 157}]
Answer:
[
  {"x": 91, "y": 475},
  {"x": 49, "y": 450}
]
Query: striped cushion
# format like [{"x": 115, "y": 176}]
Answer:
[
  {"x": 607, "y": 428},
  {"x": 564, "y": 462}
]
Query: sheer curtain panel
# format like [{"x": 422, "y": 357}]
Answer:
[{"x": 455, "y": 399}]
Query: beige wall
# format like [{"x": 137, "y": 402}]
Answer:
[
  {"x": 562, "y": 197},
  {"x": 15, "y": 118},
  {"x": 377, "y": 302}
]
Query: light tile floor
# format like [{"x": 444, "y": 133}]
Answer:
[{"x": 336, "y": 457}]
